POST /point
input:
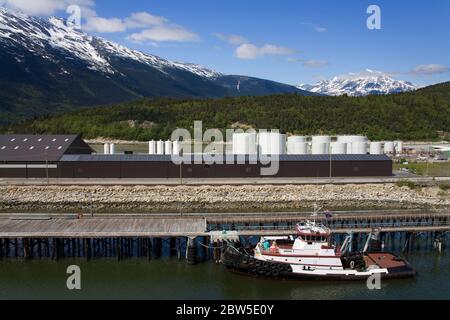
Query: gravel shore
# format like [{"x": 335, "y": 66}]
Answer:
[{"x": 216, "y": 198}]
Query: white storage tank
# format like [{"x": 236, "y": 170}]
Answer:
[
  {"x": 297, "y": 145},
  {"x": 112, "y": 148},
  {"x": 271, "y": 143},
  {"x": 349, "y": 148},
  {"x": 176, "y": 147},
  {"x": 321, "y": 139},
  {"x": 239, "y": 143},
  {"x": 160, "y": 147},
  {"x": 351, "y": 139},
  {"x": 338, "y": 148},
  {"x": 106, "y": 148},
  {"x": 320, "y": 148},
  {"x": 376, "y": 147},
  {"x": 399, "y": 147},
  {"x": 244, "y": 143},
  {"x": 152, "y": 147},
  {"x": 389, "y": 147},
  {"x": 359, "y": 148},
  {"x": 168, "y": 147}
]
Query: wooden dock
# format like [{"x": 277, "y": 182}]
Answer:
[
  {"x": 199, "y": 225},
  {"x": 102, "y": 228}
]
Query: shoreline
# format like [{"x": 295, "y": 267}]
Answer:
[{"x": 220, "y": 198}]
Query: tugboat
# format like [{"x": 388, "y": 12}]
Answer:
[{"x": 309, "y": 255}]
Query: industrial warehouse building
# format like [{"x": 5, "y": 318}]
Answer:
[{"x": 68, "y": 156}]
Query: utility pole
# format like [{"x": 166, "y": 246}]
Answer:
[
  {"x": 331, "y": 175},
  {"x": 180, "y": 155},
  {"x": 46, "y": 168}
]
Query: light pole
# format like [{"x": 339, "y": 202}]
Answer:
[
  {"x": 329, "y": 150},
  {"x": 180, "y": 155}
]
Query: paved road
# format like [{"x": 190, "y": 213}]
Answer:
[{"x": 220, "y": 181}]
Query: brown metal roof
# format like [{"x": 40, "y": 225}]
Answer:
[{"x": 39, "y": 148}]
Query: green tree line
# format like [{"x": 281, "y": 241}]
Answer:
[{"x": 419, "y": 115}]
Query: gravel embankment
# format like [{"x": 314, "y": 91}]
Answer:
[{"x": 216, "y": 198}]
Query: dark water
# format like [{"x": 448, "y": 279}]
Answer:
[{"x": 169, "y": 278}]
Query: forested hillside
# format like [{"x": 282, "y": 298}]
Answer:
[{"x": 419, "y": 115}]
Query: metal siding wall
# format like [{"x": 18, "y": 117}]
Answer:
[{"x": 169, "y": 170}]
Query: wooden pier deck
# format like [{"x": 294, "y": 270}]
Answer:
[
  {"x": 198, "y": 225},
  {"x": 102, "y": 228}
]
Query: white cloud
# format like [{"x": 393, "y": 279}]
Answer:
[
  {"x": 232, "y": 39},
  {"x": 310, "y": 63},
  {"x": 248, "y": 51},
  {"x": 315, "y": 63},
  {"x": 165, "y": 33},
  {"x": 143, "y": 20},
  {"x": 316, "y": 28},
  {"x": 430, "y": 69},
  {"x": 104, "y": 25}
]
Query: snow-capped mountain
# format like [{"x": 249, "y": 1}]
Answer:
[
  {"x": 48, "y": 66},
  {"x": 361, "y": 84}
]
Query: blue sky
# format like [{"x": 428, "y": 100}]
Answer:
[{"x": 291, "y": 41}]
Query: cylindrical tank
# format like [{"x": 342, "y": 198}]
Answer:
[
  {"x": 389, "y": 147},
  {"x": 252, "y": 143},
  {"x": 399, "y": 147},
  {"x": 349, "y": 148},
  {"x": 338, "y": 148},
  {"x": 176, "y": 147},
  {"x": 321, "y": 139},
  {"x": 351, "y": 139},
  {"x": 271, "y": 143},
  {"x": 359, "y": 148},
  {"x": 239, "y": 143},
  {"x": 112, "y": 148},
  {"x": 297, "y": 145},
  {"x": 106, "y": 148},
  {"x": 152, "y": 147},
  {"x": 375, "y": 147},
  {"x": 168, "y": 147},
  {"x": 160, "y": 147},
  {"x": 245, "y": 143},
  {"x": 320, "y": 148}
]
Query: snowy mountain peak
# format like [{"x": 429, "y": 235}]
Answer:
[
  {"x": 36, "y": 35},
  {"x": 360, "y": 84}
]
